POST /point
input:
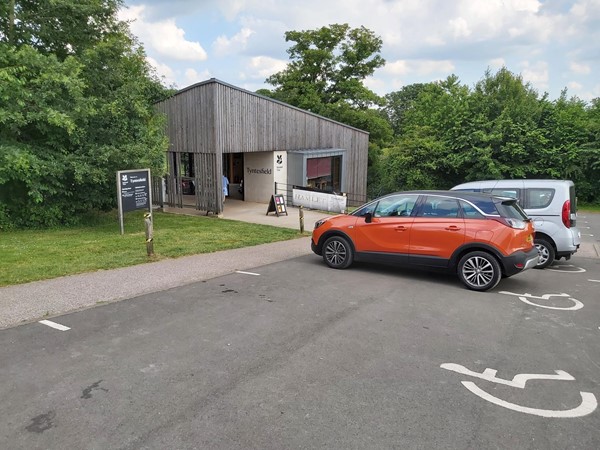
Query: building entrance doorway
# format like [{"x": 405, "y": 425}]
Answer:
[{"x": 233, "y": 169}]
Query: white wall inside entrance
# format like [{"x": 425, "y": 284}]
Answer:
[{"x": 259, "y": 176}]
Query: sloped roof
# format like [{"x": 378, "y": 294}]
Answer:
[{"x": 231, "y": 86}]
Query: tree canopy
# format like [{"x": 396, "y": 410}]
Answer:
[
  {"x": 76, "y": 98},
  {"x": 326, "y": 76},
  {"x": 448, "y": 133}
]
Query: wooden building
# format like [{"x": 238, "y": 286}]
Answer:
[{"x": 217, "y": 129}]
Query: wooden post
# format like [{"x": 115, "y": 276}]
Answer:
[
  {"x": 149, "y": 233},
  {"x": 301, "y": 214}
]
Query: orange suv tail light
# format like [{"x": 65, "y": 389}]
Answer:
[{"x": 518, "y": 224}]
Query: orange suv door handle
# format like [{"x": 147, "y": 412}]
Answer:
[
  {"x": 401, "y": 228},
  {"x": 452, "y": 228}
]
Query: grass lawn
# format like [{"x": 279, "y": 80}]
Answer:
[
  {"x": 37, "y": 255},
  {"x": 588, "y": 208}
]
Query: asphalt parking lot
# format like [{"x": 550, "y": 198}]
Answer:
[{"x": 296, "y": 355}]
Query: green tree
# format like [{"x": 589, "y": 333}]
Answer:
[
  {"x": 434, "y": 128},
  {"x": 60, "y": 27},
  {"x": 591, "y": 153},
  {"x": 447, "y": 133},
  {"x": 326, "y": 76},
  {"x": 510, "y": 126},
  {"x": 328, "y": 66},
  {"x": 399, "y": 102},
  {"x": 76, "y": 105},
  {"x": 579, "y": 123}
]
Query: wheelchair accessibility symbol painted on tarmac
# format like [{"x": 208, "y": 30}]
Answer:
[
  {"x": 566, "y": 268},
  {"x": 588, "y": 400},
  {"x": 525, "y": 298}
]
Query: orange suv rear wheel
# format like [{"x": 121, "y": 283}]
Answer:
[{"x": 479, "y": 271}]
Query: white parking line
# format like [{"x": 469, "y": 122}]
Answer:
[
  {"x": 595, "y": 281},
  {"x": 58, "y": 326},
  {"x": 587, "y": 235},
  {"x": 247, "y": 273}
]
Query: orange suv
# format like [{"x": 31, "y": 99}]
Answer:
[{"x": 481, "y": 237}]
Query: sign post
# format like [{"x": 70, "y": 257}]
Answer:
[{"x": 133, "y": 192}]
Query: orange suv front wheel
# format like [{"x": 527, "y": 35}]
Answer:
[{"x": 337, "y": 252}]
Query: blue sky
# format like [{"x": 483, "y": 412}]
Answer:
[{"x": 553, "y": 44}]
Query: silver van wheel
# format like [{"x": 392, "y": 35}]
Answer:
[{"x": 546, "y": 251}]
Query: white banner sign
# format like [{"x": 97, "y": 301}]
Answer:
[{"x": 319, "y": 200}]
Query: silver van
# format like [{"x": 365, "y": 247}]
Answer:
[{"x": 551, "y": 204}]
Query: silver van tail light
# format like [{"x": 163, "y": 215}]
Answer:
[{"x": 566, "y": 213}]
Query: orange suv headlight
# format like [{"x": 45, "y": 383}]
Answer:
[{"x": 320, "y": 222}]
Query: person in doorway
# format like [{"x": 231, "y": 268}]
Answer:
[{"x": 225, "y": 188}]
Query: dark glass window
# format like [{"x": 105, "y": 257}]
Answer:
[
  {"x": 486, "y": 205},
  {"x": 363, "y": 210},
  {"x": 469, "y": 211},
  {"x": 510, "y": 208},
  {"x": 396, "y": 205},
  {"x": 324, "y": 173},
  {"x": 537, "y": 198},
  {"x": 439, "y": 207}
]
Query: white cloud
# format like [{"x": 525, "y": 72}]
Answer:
[
  {"x": 163, "y": 37},
  {"x": 224, "y": 45},
  {"x": 589, "y": 94},
  {"x": 435, "y": 41},
  {"x": 396, "y": 84},
  {"x": 581, "y": 69},
  {"x": 376, "y": 85},
  {"x": 574, "y": 85},
  {"x": 422, "y": 39},
  {"x": 460, "y": 27},
  {"x": 399, "y": 67},
  {"x": 586, "y": 9},
  {"x": 264, "y": 66},
  {"x": 419, "y": 67},
  {"x": 497, "y": 63},
  {"x": 162, "y": 70},
  {"x": 536, "y": 74},
  {"x": 493, "y": 17},
  {"x": 192, "y": 76}
]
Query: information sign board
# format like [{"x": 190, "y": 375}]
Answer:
[
  {"x": 133, "y": 190},
  {"x": 277, "y": 205}
]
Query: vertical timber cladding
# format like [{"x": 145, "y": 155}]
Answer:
[
  {"x": 206, "y": 198},
  {"x": 214, "y": 118},
  {"x": 190, "y": 117}
]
